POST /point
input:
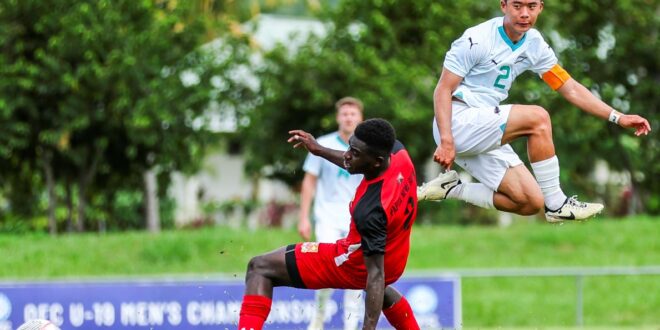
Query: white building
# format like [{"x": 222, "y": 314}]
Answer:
[{"x": 221, "y": 178}]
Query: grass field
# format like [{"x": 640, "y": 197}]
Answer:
[{"x": 501, "y": 303}]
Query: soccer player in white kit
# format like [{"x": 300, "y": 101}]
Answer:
[
  {"x": 332, "y": 188},
  {"x": 472, "y": 129}
]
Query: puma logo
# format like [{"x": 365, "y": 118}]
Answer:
[{"x": 472, "y": 43}]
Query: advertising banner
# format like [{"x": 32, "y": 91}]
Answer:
[{"x": 183, "y": 304}]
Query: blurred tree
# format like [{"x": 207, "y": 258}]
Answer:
[
  {"x": 387, "y": 53},
  {"x": 612, "y": 47},
  {"x": 390, "y": 54},
  {"x": 96, "y": 93}
]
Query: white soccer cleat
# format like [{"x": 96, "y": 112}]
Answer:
[
  {"x": 573, "y": 210},
  {"x": 437, "y": 189}
]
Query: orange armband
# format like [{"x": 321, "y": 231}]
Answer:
[{"x": 556, "y": 77}]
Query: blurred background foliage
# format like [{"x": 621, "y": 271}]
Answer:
[
  {"x": 93, "y": 94},
  {"x": 390, "y": 54}
]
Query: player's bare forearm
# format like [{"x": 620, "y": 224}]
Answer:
[
  {"x": 581, "y": 97},
  {"x": 442, "y": 97},
  {"x": 375, "y": 290},
  {"x": 442, "y": 104},
  {"x": 334, "y": 156},
  {"x": 300, "y": 138}
]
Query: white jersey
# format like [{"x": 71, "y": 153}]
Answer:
[
  {"x": 335, "y": 187},
  {"x": 489, "y": 61}
]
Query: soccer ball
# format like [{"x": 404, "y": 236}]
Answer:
[{"x": 38, "y": 325}]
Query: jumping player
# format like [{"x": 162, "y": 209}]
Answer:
[
  {"x": 473, "y": 129},
  {"x": 375, "y": 252}
]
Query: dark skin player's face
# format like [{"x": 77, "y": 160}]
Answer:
[{"x": 358, "y": 159}]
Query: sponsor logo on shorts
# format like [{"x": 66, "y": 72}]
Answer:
[{"x": 309, "y": 247}]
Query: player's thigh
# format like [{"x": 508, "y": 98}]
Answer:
[
  {"x": 521, "y": 187},
  {"x": 490, "y": 167},
  {"x": 271, "y": 265},
  {"x": 524, "y": 120},
  {"x": 476, "y": 130}
]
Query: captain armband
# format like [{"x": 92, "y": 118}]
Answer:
[{"x": 556, "y": 77}]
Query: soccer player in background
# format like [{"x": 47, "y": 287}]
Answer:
[
  {"x": 331, "y": 188},
  {"x": 472, "y": 129},
  {"x": 374, "y": 253}
]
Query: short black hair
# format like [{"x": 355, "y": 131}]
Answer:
[{"x": 378, "y": 134}]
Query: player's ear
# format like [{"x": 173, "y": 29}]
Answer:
[
  {"x": 503, "y": 5},
  {"x": 378, "y": 162}
]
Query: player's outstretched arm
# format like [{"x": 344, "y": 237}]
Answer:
[
  {"x": 301, "y": 138},
  {"x": 373, "y": 302},
  {"x": 581, "y": 97}
]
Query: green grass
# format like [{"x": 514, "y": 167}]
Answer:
[{"x": 615, "y": 301}]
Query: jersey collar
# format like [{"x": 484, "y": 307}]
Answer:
[
  {"x": 508, "y": 41},
  {"x": 341, "y": 141}
]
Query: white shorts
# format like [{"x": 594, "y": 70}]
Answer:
[
  {"x": 328, "y": 233},
  {"x": 477, "y": 137}
]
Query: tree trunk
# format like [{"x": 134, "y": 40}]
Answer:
[
  {"x": 69, "y": 208},
  {"x": 82, "y": 204},
  {"x": 151, "y": 201},
  {"x": 254, "y": 182},
  {"x": 50, "y": 184},
  {"x": 84, "y": 181}
]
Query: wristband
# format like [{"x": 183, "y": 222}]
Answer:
[{"x": 615, "y": 116}]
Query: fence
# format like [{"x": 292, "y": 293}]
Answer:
[{"x": 578, "y": 272}]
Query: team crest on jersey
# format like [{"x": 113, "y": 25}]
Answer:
[
  {"x": 399, "y": 178},
  {"x": 309, "y": 247}
]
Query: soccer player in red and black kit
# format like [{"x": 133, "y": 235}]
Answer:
[{"x": 375, "y": 252}]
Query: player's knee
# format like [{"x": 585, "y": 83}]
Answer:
[
  {"x": 541, "y": 119},
  {"x": 533, "y": 205},
  {"x": 527, "y": 203},
  {"x": 256, "y": 265}
]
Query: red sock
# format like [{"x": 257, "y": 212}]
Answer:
[
  {"x": 400, "y": 316},
  {"x": 254, "y": 311}
]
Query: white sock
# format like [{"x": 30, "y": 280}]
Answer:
[
  {"x": 322, "y": 298},
  {"x": 547, "y": 175},
  {"x": 353, "y": 305},
  {"x": 473, "y": 193}
]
